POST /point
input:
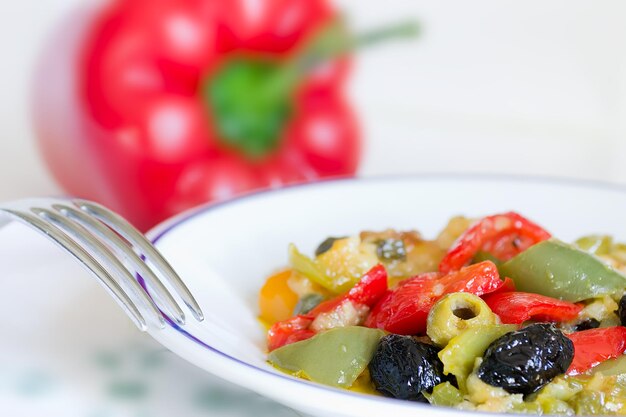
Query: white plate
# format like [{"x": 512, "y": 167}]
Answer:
[{"x": 224, "y": 252}]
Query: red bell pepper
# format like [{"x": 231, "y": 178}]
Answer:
[
  {"x": 405, "y": 309},
  {"x": 370, "y": 289},
  {"x": 518, "y": 307},
  {"x": 591, "y": 347},
  {"x": 177, "y": 103},
  {"x": 163, "y": 105},
  {"x": 501, "y": 235}
]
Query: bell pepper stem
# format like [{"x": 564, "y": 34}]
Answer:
[
  {"x": 332, "y": 41},
  {"x": 251, "y": 100}
]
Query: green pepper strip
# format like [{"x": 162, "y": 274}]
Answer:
[
  {"x": 559, "y": 270},
  {"x": 307, "y": 267}
]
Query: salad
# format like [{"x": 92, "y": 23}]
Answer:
[{"x": 492, "y": 315}]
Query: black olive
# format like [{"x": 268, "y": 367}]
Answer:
[
  {"x": 390, "y": 250},
  {"x": 326, "y": 245},
  {"x": 586, "y": 325},
  {"x": 621, "y": 310},
  {"x": 307, "y": 303},
  {"x": 403, "y": 368},
  {"x": 523, "y": 361}
]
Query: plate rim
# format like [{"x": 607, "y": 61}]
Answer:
[{"x": 158, "y": 231}]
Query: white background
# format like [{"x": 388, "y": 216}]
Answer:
[{"x": 530, "y": 87}]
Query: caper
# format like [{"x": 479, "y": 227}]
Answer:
[
  {"x": 485, "y": 256},
  {"x": 390, "y": 250},
  {"x": 326, "y": 245},
  {"x": 587, "y": 324},
  {"x": 307, "y": 303},
  {"x": 621, "y": 310},
  {"x": 454, "y": 313}
]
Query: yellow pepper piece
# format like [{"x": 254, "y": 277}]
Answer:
[{"x": 276, "y": 300}]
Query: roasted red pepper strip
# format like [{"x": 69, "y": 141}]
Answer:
[
  {"x": 591, "y": 347},
  {"x": 507, "y": 286},
  {"x": 404, "y": 310},
  {"x": 289, "y": 331},
  {"x": 518, "y": 307},
  {"x": 501, "y": 235},
  {"x": 370, "y": 288},
  {"x": 326, "y": 306}
]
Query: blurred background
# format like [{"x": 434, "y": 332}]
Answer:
[
  {"x": 537, "y": 88},
  {"x": 530, "y": 88}
]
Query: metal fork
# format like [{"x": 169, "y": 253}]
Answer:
[{"x": 114, "y": 252}]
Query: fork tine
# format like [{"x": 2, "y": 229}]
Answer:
[
  {"x": 119, "y": 246},
  {"x": 103, "y": 276},
  {"x": 99, "y": 250},
  {"x": 128, "y": 232}
]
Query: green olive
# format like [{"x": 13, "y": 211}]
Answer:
[
  {"x": 596, "y": 244},
  {"x": 454, "y": 313}
]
